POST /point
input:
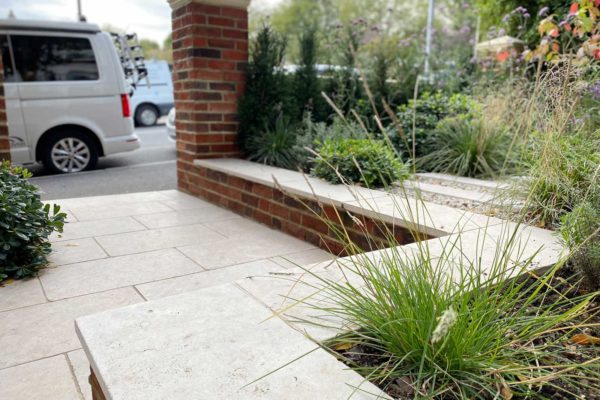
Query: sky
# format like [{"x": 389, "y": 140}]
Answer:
[{"x": 148, "y": 18}]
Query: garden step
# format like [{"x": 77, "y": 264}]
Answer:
[
  {"x": 461, "y": 194},
  {"x": 479, "y": 183}
]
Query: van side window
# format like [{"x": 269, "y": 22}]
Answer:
[
  {"x": 53, "y": 58},
  {"x": 6, "y": 60}
]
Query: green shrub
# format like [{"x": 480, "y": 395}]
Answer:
[
  {"x": 364, "y": 161},
  {"x": 427, "y": 111},
  {"x": 580, "y": 229},
  {"x": 274, "y": 146},
  {"x": 311, "y": 135},
  {"x": 465, "y": 146},
  {"x": 25, "y": 224}
]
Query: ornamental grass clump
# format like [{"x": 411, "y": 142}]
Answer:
[
  {"x": 454, "y": 327},
  {"x": 465, "y": 146},
  {"x": 274, "y": 146},
  {"x": 25, "y": 224}
]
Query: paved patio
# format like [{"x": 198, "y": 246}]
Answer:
[{"x": 119, "y": 250}]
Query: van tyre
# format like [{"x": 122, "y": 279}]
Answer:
[
  {"x": 68, "y": 152},
  {"x": 146, "y": 115}
]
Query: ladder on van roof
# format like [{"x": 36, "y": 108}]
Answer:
[{"x": 132, "y": 58}]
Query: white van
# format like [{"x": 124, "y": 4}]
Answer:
[
  {"x": 153, "y": 98},
  {"x": 66, "y": 96}
]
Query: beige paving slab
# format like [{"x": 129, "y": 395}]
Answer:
[
  {"x": 214, "y": 354},
  {"x": 294, "y": 293},
  {"x": 74, "y": 251},
  {"x": 47, "y": 379},
  {"x": 86, "y": 229},
  {"x": 243, "y": 249},
  {"x": 154, "y": 239},
  {"x": 115, "y": 272},
  {"x": 111, "y": 200},
  {"x": 186, "y": 217},
  {"x": 239, "y": 227},
  {"x": 201, "y": 280},
  {"x": 45, "y": 330},
  {"x": 20, "y": 293},
  {"x": 90, "y": 213},
  {"x": 303, "y": 258},
  {"x": 186, "y": 203},
  {"x": 175, "y": 194},
  {"x": 81, "y": 369},
  {"x": 70, "y": 216}
]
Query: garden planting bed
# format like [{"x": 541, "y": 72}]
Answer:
[
  {"x": 226, "y": 342},
  {"x": 580, "y": 348}
]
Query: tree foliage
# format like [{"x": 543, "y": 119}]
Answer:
[
  {"x": 307, "y": 86},
  {"x": 265, "y": 85}
]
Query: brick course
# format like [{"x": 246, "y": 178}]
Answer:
[
  {"x": 210, "y": 54},
  {"x": 4, "y": 142},
  {"x": 304, "y": 218}
]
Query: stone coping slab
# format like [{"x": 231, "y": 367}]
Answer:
[
  {"x": 432, "y": 219},
  {"x": 215, "y": 342}
]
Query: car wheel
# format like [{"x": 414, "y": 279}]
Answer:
[
  {"x": 146, "y": 115},
  {"x": 69, "y": 152}
]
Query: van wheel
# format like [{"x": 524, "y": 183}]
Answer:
[
  {"x": 68, "y": 152},
  {"x": 146, "y": 115}
]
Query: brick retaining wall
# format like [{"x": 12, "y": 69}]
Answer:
[{"x": 303, "y": 218}]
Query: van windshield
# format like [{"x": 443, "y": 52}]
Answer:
[{"x": 53, "y": 58}]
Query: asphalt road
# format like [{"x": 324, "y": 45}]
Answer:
[{"x": 151, "y": 167}]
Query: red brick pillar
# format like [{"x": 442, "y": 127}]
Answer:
[
  {"x": 4, "y": 143},
  {"x": 210, "y": 53}
]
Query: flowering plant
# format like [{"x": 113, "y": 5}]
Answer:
[{"x": 578, "y": 33}]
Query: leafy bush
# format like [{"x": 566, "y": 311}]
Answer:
[
  {"x": 25, "y": 224},
  {"x": 274, "y": 146},
  {"x": 359, "y": 161},
  {"x": 427, "y": 111},
  {"x": 465, "y": 146},
  {"x": 312, "y": 135},
  {"x": 580, "y": 229}
]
